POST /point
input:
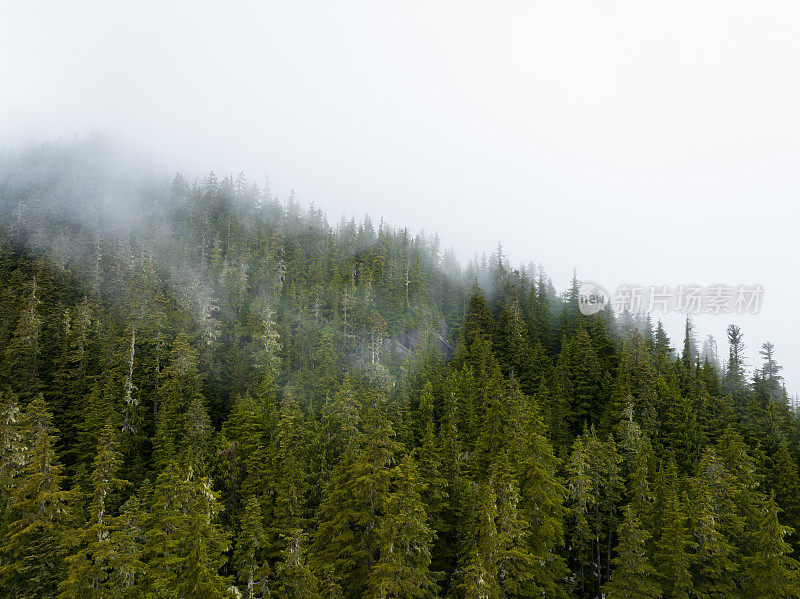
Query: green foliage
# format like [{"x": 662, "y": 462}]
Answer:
[
  {"x": 36, "y": 515},
  {"x": 771, "y": 571},
  {"x": 633, "y": 576},
  {"x": 378, "y": 421}
]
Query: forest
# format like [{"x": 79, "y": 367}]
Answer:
[{"x": 207, "y": 391}]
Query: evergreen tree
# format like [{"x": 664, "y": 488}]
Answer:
[
  {"x": 34, "y": 526},
  {"x": 12, "y": 448},
  {"x": 179, "y": 391},
  {"x": 185, "y": 546},
  {"x": 633, "y": 576},
  {"x": 22, "y": 354},
  {"x": 542, "y": 496},
  {"x": 355, "y": 504},
  {"x": 771, "y": 571},
  {"x": 291, "y": 488},
  {"x": 671, "y": 555},
  {"x": 404, "y": 540},
  {"x": 203, "y": 549},
  {"x": 89, "y": 568},
  {"x": 248, "y": 555},
  {"x": 127, "y": 539},
  {"x": 294, "y": 579},
  {"x": 713, "y": 558},
  {"x": 478, "y": 571}
]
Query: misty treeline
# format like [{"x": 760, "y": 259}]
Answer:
[{"x": 210, "y": 392}]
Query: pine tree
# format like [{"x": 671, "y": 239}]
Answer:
[
  {"x": 354, "y": 505},
  {"x": 12, "y": 448},
  {"x": 671, "y": 553},
  {"x": 404, "y": 539},
  {"x": 248, "y": 555},
  {"x": 90, "y": 567},
  {"x": 33, "y": 540},
  {"x": 633, "y": 576},
  {"x": 713, "y": 558},
  {"x": 771, "y": 571},
  {"x": 293, "y": 578}
]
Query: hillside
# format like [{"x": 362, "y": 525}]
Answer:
[{"x": 208, "y": 390}]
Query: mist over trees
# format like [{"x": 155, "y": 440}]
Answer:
[{"x": 207, "y": 391}]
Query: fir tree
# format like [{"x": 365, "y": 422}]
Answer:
[
  {"x": 34, "y": 525},
  {"x": 771, "y": 571},
  {"x": 12, "y": 448},
  {"x": 404, "y": 540},
  {"x": 354, "y": 506},
  {"x": 671, "y": 554},
  {"x": 633, "y": 576},
  {"x": 248, "y": 555},
  {"x": 127, "y": 539},
  {"x": 90, "y": 567},
  {"x": 713, "y": 557},
  {"x": 293, "y": 578}
]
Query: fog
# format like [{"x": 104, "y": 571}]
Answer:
[{"x": 649, "y": 143}]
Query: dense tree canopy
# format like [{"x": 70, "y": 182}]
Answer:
[{"x": 216, "y": 393}]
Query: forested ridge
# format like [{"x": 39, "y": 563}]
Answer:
[{"x": 208, "y": 391}]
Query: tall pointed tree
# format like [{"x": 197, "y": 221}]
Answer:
[
  {"x": 32, "y": 545},
  {"x": 633, "y": 577},
  {"x": 771, "y": 571},
  {"x": 90, "y": 567},
  {"x": 404, "y": 541}
]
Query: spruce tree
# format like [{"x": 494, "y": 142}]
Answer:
[
  {"x": 633, "y": 577},
  {"x": 671, "y": 550},
  {"x": 12, "y": 448},
  {"x": 248, "y": 555},
  {"x": 179, "y": 390},
  {"x": 34, "y": 525},
  {"x": 127, "y": 539},
  {"x": 478, "y": 565},
  {"x": 89, "y": 568},
  {"x": 20, "y": 371},
  {"x": 714, "y": 563},
  {"x": 293, "y": 577},
  {"x": 203, "y": 547},
  {"x": 290, "y": 471},
  {"x": 771, "y": 571},
  {"x": 542, "y": 496},
  {"x": 404, "y": 539},
  {"x": 185, "y": 546},
  {"x": 354, "y": 505}
]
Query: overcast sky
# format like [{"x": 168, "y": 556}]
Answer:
[{"x": 639, "y": 142}]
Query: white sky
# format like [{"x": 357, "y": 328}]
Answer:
[{"x": 641, "y": 142}]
